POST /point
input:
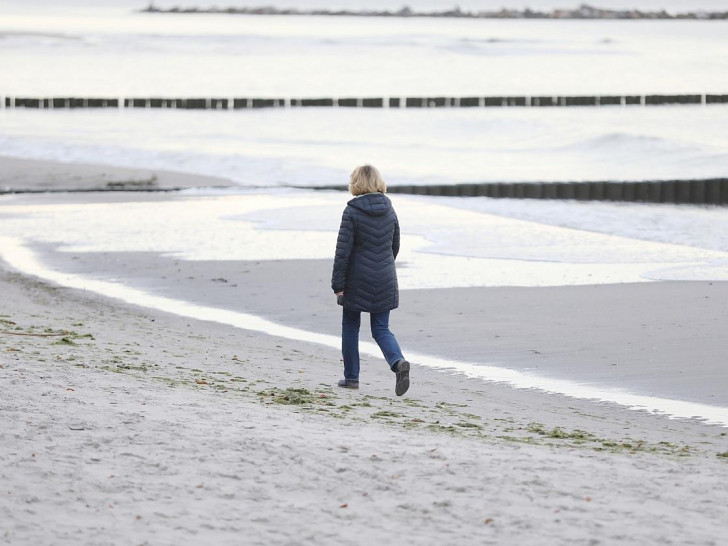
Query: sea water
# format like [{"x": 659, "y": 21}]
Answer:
[
  {"x": 319, "y": 146},
  {"x": 89, "y": 49},
  {"x": 93, "y": 52}
]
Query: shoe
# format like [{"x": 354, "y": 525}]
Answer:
[
  {"x": 402, "y": 369},
  {"x": 349, "y": 384}
]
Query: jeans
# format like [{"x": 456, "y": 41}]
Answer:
[{"x": 350, "y": 324}]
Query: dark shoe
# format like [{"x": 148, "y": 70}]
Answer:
[
  {"x": 401, "y": 368},
  {"x": 349, "y": 384}
]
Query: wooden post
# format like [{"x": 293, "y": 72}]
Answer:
[
  {"x": 534, "y": 191},
  {"x": 597, "y": 191},
  {"x": 373, "y": 103},
  {"x": 654, "y": 192},
  {"x": 668, "y": 193},
  {"x": 697, "y": 192},
  {"x": 469, "y": 102},
  {"x": 467, "y": 190},
  {"x": 724, "y": 191},
  {"x": 610, "y": 101},
  {"x": 550, "y": 191},
  {"x": 583, "y": 191},
  {"x": 641, "y": 191},
  {"x": 613, "y": 191},
  {"x": 682, "y": 191},
  {"x": 628, "y": 191},
  {"x": 712, "y": 191}
]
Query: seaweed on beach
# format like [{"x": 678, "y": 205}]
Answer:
[
  {"x": 67, "y": 336},
  {"x": 296, "y": 396},
  {"x": 628, "y": 445},
  {"x": 560, "y": 433},
  {"x": 384, "y": 414},
  {"x": 454, "y": 419},
  {"x": 466, "y": 424}
]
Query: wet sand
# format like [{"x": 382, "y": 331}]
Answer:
[
  {"x": 32, "y": 175},
  {"x": 661, "y": 339}
]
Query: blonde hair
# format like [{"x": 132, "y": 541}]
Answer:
[{"x": 366, "y": 179}]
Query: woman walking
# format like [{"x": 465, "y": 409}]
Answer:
[{"x": 364, "y": 277}]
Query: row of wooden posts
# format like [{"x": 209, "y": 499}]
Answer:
[
  {"x": 389, "y": 102},
  {"x": 712, "y": 191}
]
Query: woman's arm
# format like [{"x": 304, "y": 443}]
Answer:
[
  {"x": 395, "y": 238},
  {"x": 344, "y": 247}
]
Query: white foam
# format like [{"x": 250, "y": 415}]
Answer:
[
  {"x": 441, "y": 247},
  {"x": 20, "y": 257}
]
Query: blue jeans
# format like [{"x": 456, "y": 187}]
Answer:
[{"x": 350, "y": 324}]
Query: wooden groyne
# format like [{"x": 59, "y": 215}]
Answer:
[
  {"x": 712, "y": 191},
  {"x": 584, "y": 11},
  {"x": 239, "y": 103}
]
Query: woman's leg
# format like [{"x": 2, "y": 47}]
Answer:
[
  {"x": 385, "y": 339},
  {"x": 350, "y": 323}
]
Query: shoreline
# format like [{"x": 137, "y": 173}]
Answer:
[{"x": 646, "y": 369}]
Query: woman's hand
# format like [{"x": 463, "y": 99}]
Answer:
[{"x": 339, "y": 293}]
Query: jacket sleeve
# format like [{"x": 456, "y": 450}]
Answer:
[
  {"x": 395, "y": 238},
  {"x": 344, "y": 247}
]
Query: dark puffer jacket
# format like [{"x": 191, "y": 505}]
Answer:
[{"x": 366, "y": 248}]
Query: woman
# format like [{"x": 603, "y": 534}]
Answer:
[{"x": 364, "y": 277}]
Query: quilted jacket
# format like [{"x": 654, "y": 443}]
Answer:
[{"x": 366, "y": 248}]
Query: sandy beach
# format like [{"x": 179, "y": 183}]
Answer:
[
  {"x": 122, "y": 424},
  {"x": 32, "y": 175}
]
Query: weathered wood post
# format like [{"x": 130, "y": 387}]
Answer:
[
  {"x": 372, "y": 103},
  {"x": 682, "y": 191}
]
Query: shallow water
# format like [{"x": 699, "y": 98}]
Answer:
[{"x": 442, "y": 246}]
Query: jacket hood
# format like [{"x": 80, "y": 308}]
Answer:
[{"x": 373, "y": 204}]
